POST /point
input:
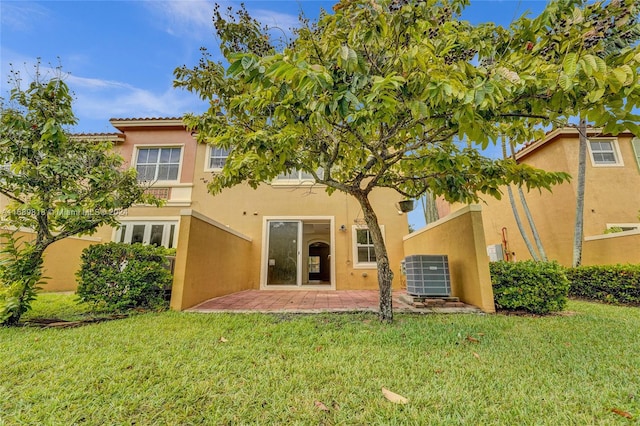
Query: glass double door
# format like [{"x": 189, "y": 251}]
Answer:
[{"x": 284, "y": 252}]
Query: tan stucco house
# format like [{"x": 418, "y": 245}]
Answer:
[
  {"x": 286, "y": 234},
  {"x": 612, "y": 200}
]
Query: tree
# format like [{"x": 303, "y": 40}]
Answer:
[
  {"x": 57, "y": 186},
  {"x": 540, "y": 254},
  {"x": 578, "y": 232},
  {"x": 385, "y": 93},
  {"x": 429, "y": 207},
  {"x": 516, "y": 215}
]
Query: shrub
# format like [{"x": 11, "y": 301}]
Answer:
[
  {"x": 537, "y": 287},
  {"x": 606, "y": 283},
  {"x": 124, "y": 276}
]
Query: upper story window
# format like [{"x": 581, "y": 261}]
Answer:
[
  {"x": 298, "y": 176},
  {"x": 153, "y": 164},
  {"x": 604, "y": 152},
  {"x": 216, "y": 158}
]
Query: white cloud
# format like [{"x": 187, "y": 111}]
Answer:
[
  {"x": 271, "y": 18},
  {"x": 194, "y": 18},
  {"x": 182, "y": 18},
  {"x": 21, "y": 16},
  {"x": 99, "y": 100}
]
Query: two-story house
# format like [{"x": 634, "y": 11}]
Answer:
[
  {"x": 286, "y": 234},
  {"x": 612, "y": 200}
]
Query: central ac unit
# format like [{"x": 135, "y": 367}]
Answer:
[{"x": 428, "y": 275}]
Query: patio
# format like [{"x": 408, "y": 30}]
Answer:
[{"x": 316, "y": 301}]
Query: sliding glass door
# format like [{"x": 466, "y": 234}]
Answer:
[{"x": 284, "y": 252}]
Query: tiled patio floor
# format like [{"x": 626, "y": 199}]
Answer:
[{"x": 312, "y": 301}]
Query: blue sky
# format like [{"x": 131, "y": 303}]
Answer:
[{"x": 120, "y": 54}]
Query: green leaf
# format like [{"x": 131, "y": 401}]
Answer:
[
  {"x": 565, "y": 82},
  {"x": 570, "y": 63}
]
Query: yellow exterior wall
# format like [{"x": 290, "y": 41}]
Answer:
[
  {"x": 611, "y": 196},
  {"x": 244, "y": 209},
  {"x": 611, "y": 249},
  {"x": 461, "y": 237},
  {"x": 61, "y": 261},
  {"x": 211, "y": 262}
]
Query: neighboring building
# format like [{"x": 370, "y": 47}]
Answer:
[{"x": 612, "y": 200}]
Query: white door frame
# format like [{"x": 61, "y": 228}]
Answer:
[{"x": 265, "y": 252}]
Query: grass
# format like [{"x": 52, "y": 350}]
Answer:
[{"x": 174, "y": 368}]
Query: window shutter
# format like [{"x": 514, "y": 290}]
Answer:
[{"x": 635, "y": 142}]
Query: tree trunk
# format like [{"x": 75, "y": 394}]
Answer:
[
  {"x": 516, "y": 215},
  {"x": 30, "y": 269},
  {"x": 523, "y": 232},
  {"x": 429, "y": 208},
  {"x": 532, "y": 225},
  {"x": 385, "y": 275},
  {"x": 582, "y": 168},
  {"x": 527, "y": 211}
]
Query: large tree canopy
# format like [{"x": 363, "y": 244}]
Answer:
[
  {"x": 57, "y": 185},
  {"x": 404, "y": 94}
]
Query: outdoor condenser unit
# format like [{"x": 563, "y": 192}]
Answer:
[{"x": 427, "y": 275}]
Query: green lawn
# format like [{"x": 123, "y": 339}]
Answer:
[{"x": 173, "y": 368}]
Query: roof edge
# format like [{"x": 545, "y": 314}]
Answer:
[
  {"x": 99, "y": 137},
  {"x": 122, "y": 123},
  {"x": 555, "y": 133}
]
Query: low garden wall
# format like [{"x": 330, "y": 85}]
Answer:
[
  {"x": 62, "y": 261},
  {"x": 461, "y": 237},
  {"x": 211, "y": 261},
  {"x": 612, "y": 249}
]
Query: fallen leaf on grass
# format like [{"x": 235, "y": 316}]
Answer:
[
  {"x": 624, "y": 414},
  {"x": 318, "y": 348},
  {"x": 223, "y": 340},
  {"x": 321, "y": 406},
  {"x": 567, "y": 344},
  {"x": 476, "y": 355},
  {"x": 394, "y": 397},
  {"x": 439, "y": 371},
  {"x": 473, "y": 339}
]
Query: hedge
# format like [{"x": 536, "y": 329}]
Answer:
[
  {"x": 617, "y": 284},
  {"x": 536, "y": 287},
  {"x": 120, "y": 277}
]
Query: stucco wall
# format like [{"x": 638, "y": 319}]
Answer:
[
  {"x": 610, "y": 197},
  {"x": 610, "y": 249},
  {"x": 62, "y": 261},
  {"x": 211, "y": 262},
  {"x": 461, "y": 237}
]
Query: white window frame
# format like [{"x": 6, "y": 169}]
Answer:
[
  {"x": 634, "y": 226},
  {"x": 299, "y": 180},
  {"x": 635, "y": 145},
  {"x": 207, "y": 164},
  {"x": 136, "y": 153},
  {"x": 615, "y": 149},
  {"x": 354, "y": 246},
  {"x": 127, "y": 226}
]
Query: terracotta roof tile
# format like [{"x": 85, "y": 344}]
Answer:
[{"x": 145, "y": 118}]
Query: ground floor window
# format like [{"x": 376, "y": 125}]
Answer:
[
  {"x": 156, "y": 233},
  {"x": 364, "y": 254}
]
